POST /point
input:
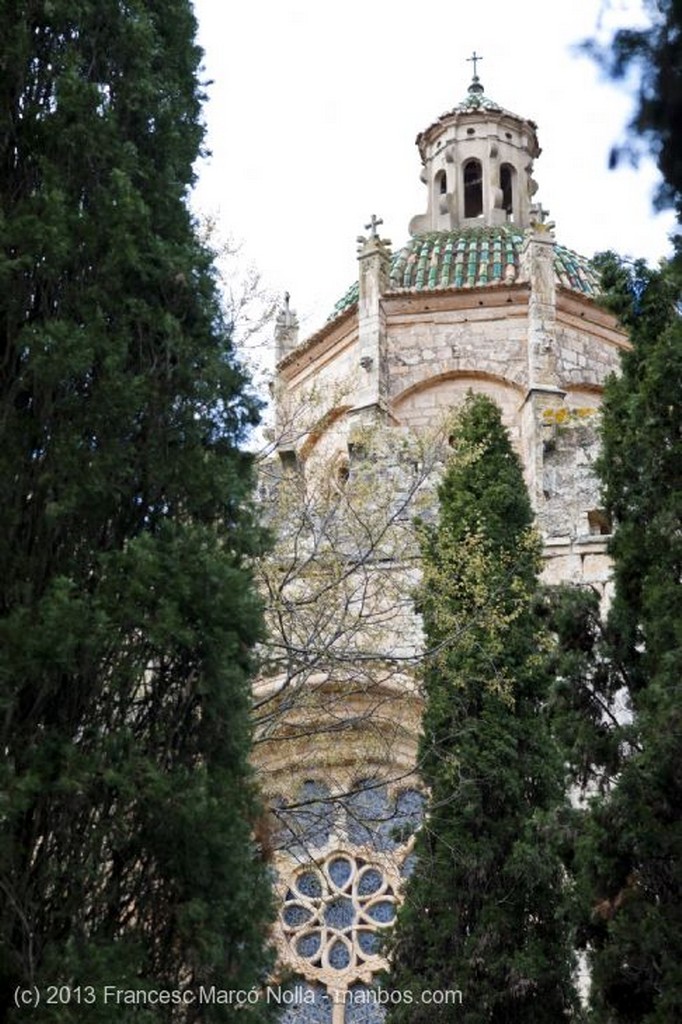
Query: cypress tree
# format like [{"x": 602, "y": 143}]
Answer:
[
  {"x": 632, "y": 849},
  {"x": 127, "y": 611},
  {"x": 484, "y": 910}
]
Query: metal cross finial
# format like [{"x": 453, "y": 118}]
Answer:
[
  {"x": 374, "y": 223},
  {"x": 475, "y": 58}
]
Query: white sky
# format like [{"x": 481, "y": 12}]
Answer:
[{"x": 314, "y": 109}]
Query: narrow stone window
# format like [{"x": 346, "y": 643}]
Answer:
[
  {"x": 507, "y": 186},
  {"x": 473, "y": 189},
  {"x": 441, "y": 183},
  {"x": 599, "y": 522},
  {"x": 289, "y": 460}
]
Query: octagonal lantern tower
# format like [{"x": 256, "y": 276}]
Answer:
[{"x": 477, "y": 165}]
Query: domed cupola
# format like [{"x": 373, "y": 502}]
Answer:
[{"x": 477, "y": 166}]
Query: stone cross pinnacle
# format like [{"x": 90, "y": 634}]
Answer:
[{"x": 374, "y": 223}]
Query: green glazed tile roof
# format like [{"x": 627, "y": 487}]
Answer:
[
  {"x": 346, "y": 301},
  {"x": 575, "y": 271},
  {"x": 476, "y": 99},
  {"x": 472, "y": 258}
]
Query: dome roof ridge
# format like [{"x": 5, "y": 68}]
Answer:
[
  {"x": 471, "y": 104},
  {"x": 472, "y": 257},
  {"x": 474, "y": 231}
]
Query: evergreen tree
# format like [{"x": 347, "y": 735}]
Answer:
[
  {"x": 586, "y": 688},
  {"x": 652, "y": 54},
  {"x": 127, "y": 611},
  {"x": 632, "y": 849},
  {"x": 484, "y": 910}
]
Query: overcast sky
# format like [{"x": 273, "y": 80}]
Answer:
[{"x": 314, "y": 109}]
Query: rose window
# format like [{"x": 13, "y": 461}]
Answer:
[
  {"x": 334, "y": 912},
  {"x": 342, "y": 859}
]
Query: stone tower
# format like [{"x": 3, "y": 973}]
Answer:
[
  {"x": 483, "y": 297},
  {"x": 477, "y": 166}
]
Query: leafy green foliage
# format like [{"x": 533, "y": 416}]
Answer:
[
  {"x": 485, "y": 910},
  {"x": 127, "y": 611}
]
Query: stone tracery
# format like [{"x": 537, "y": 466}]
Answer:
[{"x": 334, "y": 912}]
